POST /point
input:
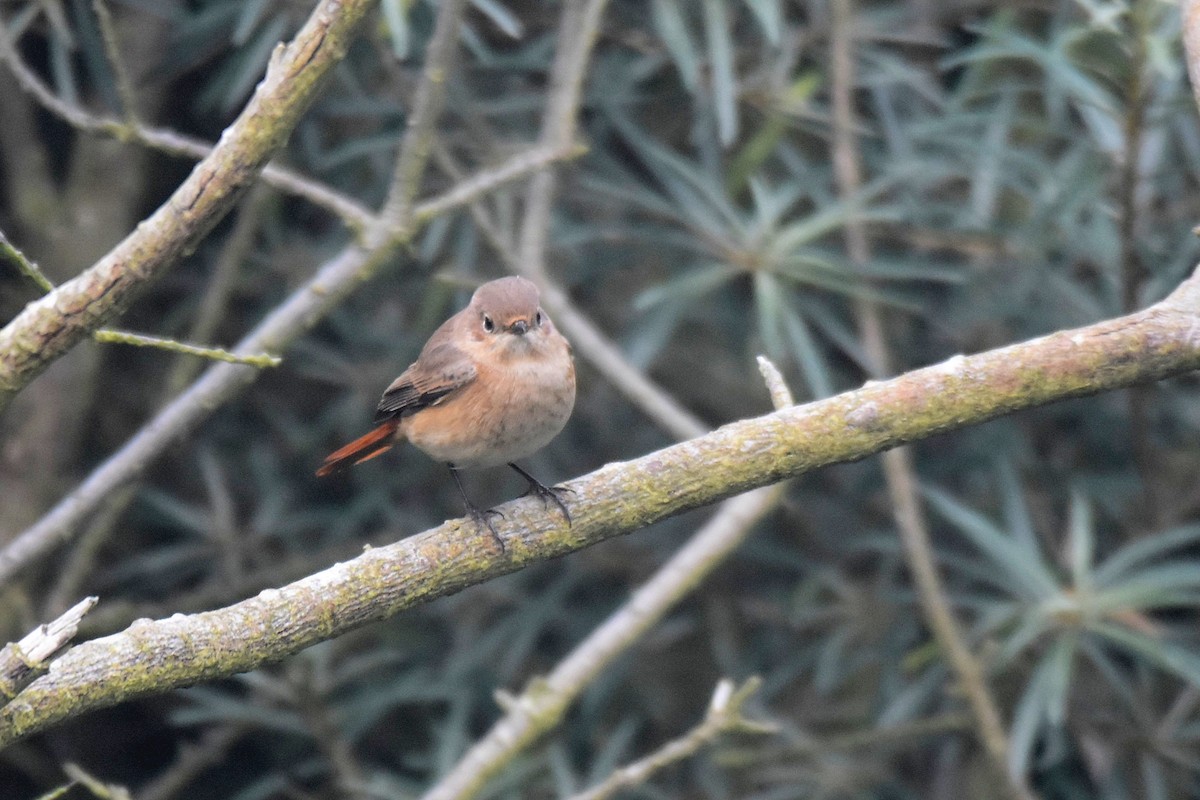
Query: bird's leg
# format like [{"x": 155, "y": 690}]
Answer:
[
  {"x": 546, "y": 493},
  {"x": 482, "y": 518}
]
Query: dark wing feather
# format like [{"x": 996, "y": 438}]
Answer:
[{"x": 439, "y": 371}]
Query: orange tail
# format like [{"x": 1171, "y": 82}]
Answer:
[{"x": 364, "y": 448}]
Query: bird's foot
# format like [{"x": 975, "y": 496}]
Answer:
[
  {"x": 550, "y": 494},
  {"x": 483, "y": 519}
]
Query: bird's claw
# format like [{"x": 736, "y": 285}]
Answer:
[
  {"x": 551, "y": 494},
  {"x": 483, "y": 519}
]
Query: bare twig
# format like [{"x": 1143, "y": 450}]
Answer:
[
  {"x": 81, "y": 558},
  {"x": 578, "y": 28},
  {"x": 897, "y": 464},
  {"x": 110, "y": 336},
  {"x": 260, "y": 360},
  {"x": 471, "y": 188},
  {"x": 427, "y": 107},
  {"x": 215, "y": 299},
  {"x": 192, "y": 760},
  {"x": 21, "y": 662},
  {"x": 724, "y": 716},
  {"x": 903, "y": 735},
  {"x": 112, "y": 50},
  {"x": 24, "y": 265},
  {"x": 311, "y": 703},
  {"x": 781, "y": 395},
  {"x": 1159, "y": 342},
  {"x": 95, "y": 787},
  {"x": 604, "y": 355}
]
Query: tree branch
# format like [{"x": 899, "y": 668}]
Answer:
[
  {"x": 422, "y": 120},
  {"x": 21, "y": 662},
  {"x": 724, "y": 716},
  {"x": 47, "y": 328},
  {"x": 154, "y": 656}
]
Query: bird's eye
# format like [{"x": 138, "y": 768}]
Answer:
[
  {"x": 537, "y": 320},
  {"x": 488, "y": 325}
]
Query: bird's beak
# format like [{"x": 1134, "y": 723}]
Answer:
[{"x": 520, "y": 327}]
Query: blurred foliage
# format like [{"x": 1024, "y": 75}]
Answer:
[{"x": 1029, "y": 167}]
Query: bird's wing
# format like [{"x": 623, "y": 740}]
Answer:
[{"x": 439, "y": 371}]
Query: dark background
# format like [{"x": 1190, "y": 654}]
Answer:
[{"x": 1028, "y": 167}]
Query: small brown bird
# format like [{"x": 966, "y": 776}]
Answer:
[{"x": 494, "y": 384}]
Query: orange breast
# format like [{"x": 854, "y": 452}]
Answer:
[{"x": 509, "y": 411}]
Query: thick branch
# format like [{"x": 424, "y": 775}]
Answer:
[
  {"x": 49, "y": 327},
  {"x": 154, "y": 656}
]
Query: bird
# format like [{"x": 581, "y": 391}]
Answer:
[{"x": 493, "y": 385}]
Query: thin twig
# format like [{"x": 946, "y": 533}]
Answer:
[
  {"x": 173, "y": 143},
  {"x": 109, "y": 336},
  {"x": 72, "y": 574},
  {"x": 903, "y": 735},
  {"x": 426, "y": 108},
  {"x": 468, "y": 189},
  {"x": 1137, "y": 102},
  {"x": 112, "y": 50},
  {"x": 724, "y": 716},
  {"x": 24, "y": 264},
  {"x": 781, "y": 394},
  {"x": 215, "y": 300},
  {"x": 192, "y": 760},
  {"x": 580, "y": 25},
  {"x": 94, "y": 786},
  {"x": 312, "y": 704},
  {"x": 897, "y": 464}
]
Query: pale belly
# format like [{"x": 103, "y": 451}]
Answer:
[{"x": 500, "y": 417}]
